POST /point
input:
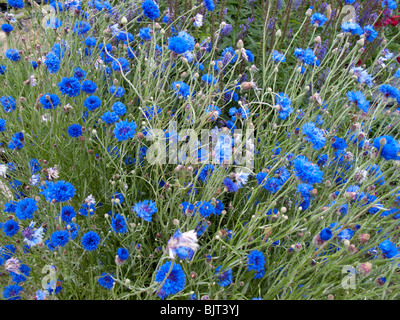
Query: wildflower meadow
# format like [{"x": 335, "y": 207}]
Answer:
[{"x": 200, "y": 150}]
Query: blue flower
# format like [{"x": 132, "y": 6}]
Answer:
[
  {"x": 370, "y": 33},
  {"x": 70, "y": 86},
  {"x": 117, "y": 91},
  {"x": 49, "y": 101},
  {"x": 209, "y": 5},
  {"x": 352, "y": 27},
  {"x": 8, "y": 103},
  {"x": 67, "y": 213},
  {"x": 25, "y": 208},
  {"x": 390, "y": 4},
  {"x": 209, "y": 79},
  {"x": 325, "y": 234},
  {"x": 178, "y": 45},
  {"x": 278, "y": 56},
  {"x": 10, "y": 228},
  {"x": 81, "y": 27},
  {"x": 75, "y": 130},
  {"x": 306, "y": 171},
  {"x": 59, "y": 238},
  {"x": 106, "y": 280},
  {"x": 182, "y": 89},
  {"x": 7, "y": 28},
  {"x": 119, "y": 108},
  {"x": 124, "y": 130},
  {"x": 150, "y": 9},
  {"x": 389, "y": 91},
  {"x": 118, "y": 224},
  {"x": 314, "y": 135},
  {"x": 2, "y": 125},
  {"x": 19, "y": 4},
  {"x": 126, "y": 37},
  {"x": 225, "y": 277},
  {"x": 92, "y": 103},
  {"x": 144, "y": 33},
  {"x": 120, "y": 64},
  {"x": 79, "y": 73},
  {"x": 59, "y": 191},
  {"x": 255, "y": 261},
  {"x": 318, "y": 19},
  {"x": 90, "y": 240},
  {"x": 283, "y": 102},
  {"x": 145, "y": 209},
  {"x": 389, "y": 249},
  {"x": 173, "y": 283},
  {"x": 123, "y": 253},
  {"x": 358, "y": 98},
  {"x": 390, "y": 150},
  {"x": 3, "y": 69},
  {"x": 52, "y": 62},
  {"x": 12, "y": 291},
  {"x": 12, "y": 54},
  {"x": 88, "y": 86},
  {"x": 109, "y": 117}
]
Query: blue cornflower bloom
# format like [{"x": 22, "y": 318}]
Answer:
[
  {"x": 126, "y": 37},
  {"x": 59, "y": 191},
  {"x": 81, "y": 27},
  {"x": 19, "y": 4},
  {"x": 389, "y": 249},
  {"x": 389, "y": 91},
  {"x": 25, "y": 208},
  {"x": 208, "y": 78},
  {"x": 10, "y": 228},
  {"x": 90, "y": 240},
  {"x": 182, "y": 89},
  {"x": 79, "y": 73},
  {"x": 106, "y": 280},
  {"x": 120, "y": 64},
  {"x": 363, "y": 76},
  {"x": 391, "y": 4},
  {"x": 278, "y": 56},
  {"x": 314, "y": 135},
  {"x": 3, "y": 69},
  {"x": 70, "y": 86},
  {"x": 12, "y": 54},
  {"x": 2, "y": 125},
  {"x": 352, "y": 27},
  {"x": 88, "y": 86},
  {"x": 109, "y": 117},
  {"x": 150, "y": 9},
  {"x": 7, "y": 28},
  {"x": 75, "y": 130},
  {"x": 12, "y": 291},
  {"x": 178, "y": 45},
  {"x": 49, "y": 101},
  {"x": 370, "y": 33},
  {"x": 92, "y": 103},
  {"x": 228, "y": 55},
  {"x": 59, "y": 238},
  {"x": 358, "y": 98},
  {"x": 118, "y": 223},
  {"x": 119, "y": 108},
  {"x": 117, "y": 91},
  {"x": 145, "y": 209},
  {"x": 256, "y": 262},
  {"x": 144, "y": 33},
  {"x": 24, "y": 272},
  {"x": 318, "y": 19},
  {"x": 52, "y": 62},
  {"x": 339, "y": 143},
  {"x": 225, "y": 277},
  {"x": 87, "y": 208},
  {"x": 209, "y": 5},
  {"x": 325, "y": 234},
  {"x": 307, "y": 56},
  {"x": 90, "y": 41},
  {"x": 124, "y": 130},
  {"x": 123, "y": 254},
  {"x": 67, "y": 213},
  {"x": 8, "y": 103},
  {"x": 34, "y": 166},
  {"x": 306, "y": 171},
  {"x": 283, "y": 105},
  {"x": 390, "y": 149},
  {"x": 173, "y": 283}
]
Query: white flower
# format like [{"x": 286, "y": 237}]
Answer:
[
  {"x": 3, "y": 170},
  {"x": 198, "y": 20},
  {"x": 12, "y": 265},
  {"x": 34, "y": 180},
  {"x": 53, "y": 173},
  {"x": 90, "y": 200},
  {"x": 182, "y": 244}
]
